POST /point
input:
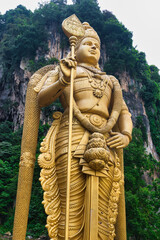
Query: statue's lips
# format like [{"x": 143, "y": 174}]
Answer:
[{"x": 93, "y": 52}]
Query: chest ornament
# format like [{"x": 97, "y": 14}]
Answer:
[
  {"x": 98, "y": 83},
  {"x": 97, "y": 79}
]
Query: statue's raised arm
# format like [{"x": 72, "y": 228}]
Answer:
[{"x": 101, "y": 128}]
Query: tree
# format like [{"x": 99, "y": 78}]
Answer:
[
  {"x": 59, "y": 2},
  {"x": 142, "y": 198},
  {"x": 9, "y": 165},
  {"x": 9, "y": 159}
]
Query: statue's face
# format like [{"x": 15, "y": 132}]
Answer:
[{"x": 88, "y": 51}]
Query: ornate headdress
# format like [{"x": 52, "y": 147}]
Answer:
[{"x": 89, "y": 32}]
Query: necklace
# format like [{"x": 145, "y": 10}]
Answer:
[
  {"x": 97, "y": 79},
  {"x": 98, "y": 85}
]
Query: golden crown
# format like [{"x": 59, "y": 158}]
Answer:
[{"x": 89, "y": 32}]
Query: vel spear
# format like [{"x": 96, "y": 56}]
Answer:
[{"x": 74, "y": 30}]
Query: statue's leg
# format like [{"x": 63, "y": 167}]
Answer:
[
  {"x": 77, "y": 192},
  {"x": 105, "y": 187}
]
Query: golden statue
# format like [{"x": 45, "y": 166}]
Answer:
[{"x": 81, "y": 156}]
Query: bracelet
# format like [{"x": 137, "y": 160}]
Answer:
[
  {"x": 127, "y": 134},
  {"x": 63, "y": 82}
]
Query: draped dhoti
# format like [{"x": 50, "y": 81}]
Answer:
[{"x": 94, "y": 195}]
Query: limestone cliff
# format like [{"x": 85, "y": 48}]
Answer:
[
  {"x": 137, "y": 108},
  {"x": 12, "y": 95}
]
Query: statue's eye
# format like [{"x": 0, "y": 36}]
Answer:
[{"x": 88, "y": 43}]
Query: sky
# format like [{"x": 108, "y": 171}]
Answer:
[{"x": 141, "y": 17}]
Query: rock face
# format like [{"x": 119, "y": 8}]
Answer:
[
  {"x": 137, "y": 108},
  {"x": 12, "y": 98},
  {"x": 12, "y": 95}
]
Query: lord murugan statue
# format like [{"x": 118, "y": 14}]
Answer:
[{"x": 81, "y": 156}]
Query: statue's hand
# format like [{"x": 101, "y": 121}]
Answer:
[
  {"x": 118, "y": 140},
  {"x": 66, "y": 64}
]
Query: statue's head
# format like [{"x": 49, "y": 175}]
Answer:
[{"x": 88, "y": 48}]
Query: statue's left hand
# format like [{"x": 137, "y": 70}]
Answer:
[{"x": 117, "y": 140}]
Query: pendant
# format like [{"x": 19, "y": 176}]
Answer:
[{"x": 97, "y": 93}]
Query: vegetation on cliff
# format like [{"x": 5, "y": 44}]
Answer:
[{"x": 22, "y": 35}]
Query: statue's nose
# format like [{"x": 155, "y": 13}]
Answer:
[{"x": 94, "y": 46}]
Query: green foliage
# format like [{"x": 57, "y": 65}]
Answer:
[
  {"x": 140, "y": 124},
  {"x": 47, "y": 14},
  {"x": 59, "y": 2},
  {"x": 9, "y": 165},
  {"x": 21, "y": 37},
  {"x": 148, "y": 79},
  {"x": 81, "y": 1},
  {"x": 119, "y": 50},
  {"x": 155, "y": 74},
  {"x": 142, "y": 199},
  {"x": 9, "y": 159},
  {"x": 154, "y": 119},
  {"x": 34, "y": 65},
  {"x": 153, "y": 109},
  {"x": 86, "y": 10}
]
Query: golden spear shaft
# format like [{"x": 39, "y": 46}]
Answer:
[
  {"x": 72, "y": 40},
  {"x": 73, "y": 28}
]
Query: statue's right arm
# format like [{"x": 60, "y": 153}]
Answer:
[
  {"x": 55, "y": 83},
  {"x": 51, "y": 90}
]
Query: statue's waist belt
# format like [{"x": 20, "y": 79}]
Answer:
[{"x": 94, "y": 119}]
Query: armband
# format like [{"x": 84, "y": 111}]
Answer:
[{"x": 63, "y": 81}]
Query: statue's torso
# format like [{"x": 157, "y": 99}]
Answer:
[{"x": 91, "y": 94}]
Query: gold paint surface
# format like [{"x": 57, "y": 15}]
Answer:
[
  {"x": 73, "y": 27},
  {"x": 101, "y": 127}
]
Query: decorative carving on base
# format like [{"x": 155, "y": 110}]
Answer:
[{"x": 27, "y": 159}]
